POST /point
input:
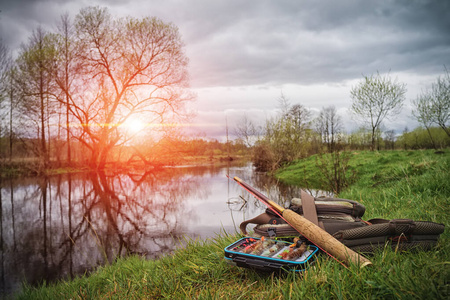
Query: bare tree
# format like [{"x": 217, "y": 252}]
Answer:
[
  {"x": 286, "y": 137},
  {"x": 5, "y": 63},
  {"x": 377, "y": 98},
  {"x": 131, "y": 68},
  {"x": 65, "y": 71},
  {"x": 440, "y": 101},
  {"x": 423, "y": 112},
  {"x": 4, "y": 68},
  {"x": 300, "y": 117},
  {"x": 34, "y": 79},
  {"x": 329, "y": 125},
  {"x": 389, "y": 139},
  {"x": 13, "y": 103},
  {"x": 432, "y": 106},
  {"x": 246, "y": 130}
]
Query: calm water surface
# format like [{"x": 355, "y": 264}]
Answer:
[{"x": 61, "y": 226}]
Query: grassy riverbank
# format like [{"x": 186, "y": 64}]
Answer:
[
  {"x": 395, "y": 184},
  {"x": 391, "y": 184}
]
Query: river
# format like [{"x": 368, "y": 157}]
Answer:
[{"x": 61, "y": 226}]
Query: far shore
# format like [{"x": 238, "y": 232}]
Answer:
[{"x": 30, "y": 167}]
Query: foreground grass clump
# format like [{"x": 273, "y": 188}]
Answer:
[{"x": 390, "y": 184}]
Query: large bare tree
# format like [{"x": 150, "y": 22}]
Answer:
[
  {"x": 376, "y": 98},
  {"x": 130, "y": 68}
]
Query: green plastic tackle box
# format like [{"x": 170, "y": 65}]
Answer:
[{"x": 270, "y": 255}]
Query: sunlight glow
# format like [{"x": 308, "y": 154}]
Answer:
[
  {"x": 139, "y": 124},
  {"x": 135, "y": 125}
]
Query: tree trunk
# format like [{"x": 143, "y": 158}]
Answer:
[
  {"x": 372, "y": 146},
  {"x": 10, "y": 124},
  {"x": 447, "y": 131},
  {"x": 431, "y": 138},
  {"x": 43, "y": 143},
  {"x": 69, "y": 158},
  {"x": 66, "y": 85}
]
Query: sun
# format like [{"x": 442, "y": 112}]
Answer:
[{"x": 134, "y": 125}]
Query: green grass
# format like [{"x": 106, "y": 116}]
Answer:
[{"x": 390, "y": 184}]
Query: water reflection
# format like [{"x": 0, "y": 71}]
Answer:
[{"x": 60, "y": 226}]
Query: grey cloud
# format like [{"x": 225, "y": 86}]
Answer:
[
  {"x": 19, "y": 18},
  {"x": 323, "y": 42},
  {"x": 301, "y": 47},
  {"x": 257, "y": 42}
]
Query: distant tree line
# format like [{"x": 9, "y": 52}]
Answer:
[{"x": 293, "y": 134}]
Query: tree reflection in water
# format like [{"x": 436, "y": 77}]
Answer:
[{"x": 57, "y": 227}]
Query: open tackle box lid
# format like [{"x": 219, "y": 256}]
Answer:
[{"x": 268, "y": 255}]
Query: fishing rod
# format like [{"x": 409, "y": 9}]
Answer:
[{"x": 319, "y": 237}]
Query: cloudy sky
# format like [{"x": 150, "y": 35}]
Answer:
[{"x": 245, "y": 53}]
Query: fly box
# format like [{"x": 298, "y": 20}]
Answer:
[{"x": 270, "y": 255}]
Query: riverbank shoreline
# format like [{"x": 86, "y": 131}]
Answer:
[
  {"x": 405, "y": 184},
  {"x": 30, "y": 167}
]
